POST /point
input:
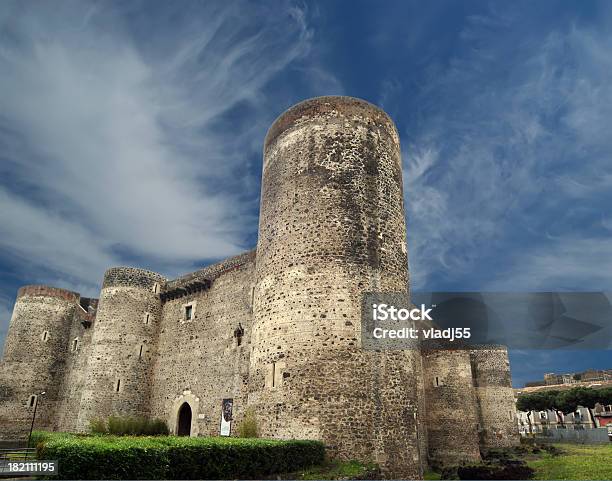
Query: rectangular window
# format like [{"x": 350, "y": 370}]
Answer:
[
  {"x": 147, "y": 318},
  {"x": 140, "y": 354},
  {"x": 75, "y": 344},
  {"x": 188, "y": 313},
  {"x": 32, "y": 401},
  {"x": 118, "y": 385},
  {"x": 437, "y": 381}
]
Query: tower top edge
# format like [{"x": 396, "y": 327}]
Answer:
[
  {"x": 41, "y": 290},
  {"x": 131, "y": 277},
  {"x": 323, "y": 105}
]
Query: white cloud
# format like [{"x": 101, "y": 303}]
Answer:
[
  {"x": 113, "y": 142},
  {"x": 516, "y": 146},
  {"x": 6, "y": 310},
  {"x": 569, "y": 264}
]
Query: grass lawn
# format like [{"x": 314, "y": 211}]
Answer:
[
  {"x": 578, "y": 461},
  {"x": 337, "y": 470},
  {"x": 575, "y": 461}
]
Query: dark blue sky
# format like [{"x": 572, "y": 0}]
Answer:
[{"x": 131, "y": 133}]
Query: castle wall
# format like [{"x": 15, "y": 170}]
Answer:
[
  {"x": 331, "y": 228},
  {"x": 199, "y": 360},
  {"x": 81, "y": 331},
  {"x": 495, "y": 397},
  {"x": 451, "y": 413},
  {"x": 34, "y": 357},
  {"x": 119, "y": 369}
]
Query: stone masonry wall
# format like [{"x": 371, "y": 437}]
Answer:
[
  {"x": 77, "y": 357},
  {"x": 450, "y": 403},
  {"x": 34, "y": 358},
  {"x": 331, "y": 228},
  {"x": 495, "y": 397},
  {"x": 199, "y": 360},
  {"x": 119, "y": 370}
]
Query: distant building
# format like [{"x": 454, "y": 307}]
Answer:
[{"x": 590, "y": 375}]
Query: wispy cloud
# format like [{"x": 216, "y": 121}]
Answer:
[
  {"x": 132, "y": 133},
  {"x": 508, "y": 172},
  {"x": 6, "y": 308},
  {"x": 117, "y": 143}
]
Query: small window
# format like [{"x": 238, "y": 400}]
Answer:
[
  {"x": 75, "y": 344},
  {"x": 188, "y": 312},
  {"x": 238, "y": 333},
  {"x": 271, "y": 375},
  {"x": 118, "y": 385},
  {"x": 32, "y": 400},
  {"x": 147, "y": 318},
  {"x": 140, "y": 353},
  {"x": 156, "y": 288},
  {"x": 437, "y": 381},
  {"x": 45, "y": 336}
]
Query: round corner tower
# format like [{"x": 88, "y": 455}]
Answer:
[
  {"x": 493, "y": 385},
  {"x": 123, "y": 345},
  {"x": 34, "y": 354},
  {"x": 331, "y": 228}
]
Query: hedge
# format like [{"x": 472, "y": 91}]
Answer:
[{"x": 170, "y": 457}]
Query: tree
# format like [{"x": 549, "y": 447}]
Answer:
[
  {"x": 537, "y": 401},
  {"x": 564, "y": 401}
]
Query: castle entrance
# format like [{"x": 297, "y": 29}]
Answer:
[{"x": 184, "y": 420}]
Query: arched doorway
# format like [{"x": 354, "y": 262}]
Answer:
[{"x": 184, "y": 420}]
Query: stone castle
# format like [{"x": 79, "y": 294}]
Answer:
[{"x": 276, "y": 329}]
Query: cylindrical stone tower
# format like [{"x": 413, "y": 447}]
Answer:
[
  {"x": 496, "y": 403},
  {"x": 332, "y": 227},
  {"x": 118, "y": 375},
  {"x": 35, "y": 351},
  {"x": 451, "y": 411}
]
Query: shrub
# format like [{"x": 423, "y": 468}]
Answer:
[
  {"x": 97, "y": 426},
  {"x": 133, "y": 426},
  {"x": 248, "y": 427},
  {"x": 42, "y": 436},
  {"x": 169, "y": 457}
]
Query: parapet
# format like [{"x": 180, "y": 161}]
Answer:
[
  {"x": 213, "y": 271},
  {"x": 330, "y": 105},
  {"x": 131, "y": 277},
  {"x": 47, "y": 291}
]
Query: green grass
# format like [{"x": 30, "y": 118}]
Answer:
[
  {"x": 432, "y": 475},
  {"x": 575, "y": 461},
  {"x": 578, "y": 461},
  {"x": 336, "y": 470}
]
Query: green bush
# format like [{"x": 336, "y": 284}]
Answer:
[
  {"x": 42, "y": 436},
  {"x": 129, "y": 426},
  {"x": 170, "y": 457},
  {"x": 97, "y": 426},
  {"x": 248, "y": 427}
]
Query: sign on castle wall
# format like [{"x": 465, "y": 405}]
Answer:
[{"x": 226, "y": 417}]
